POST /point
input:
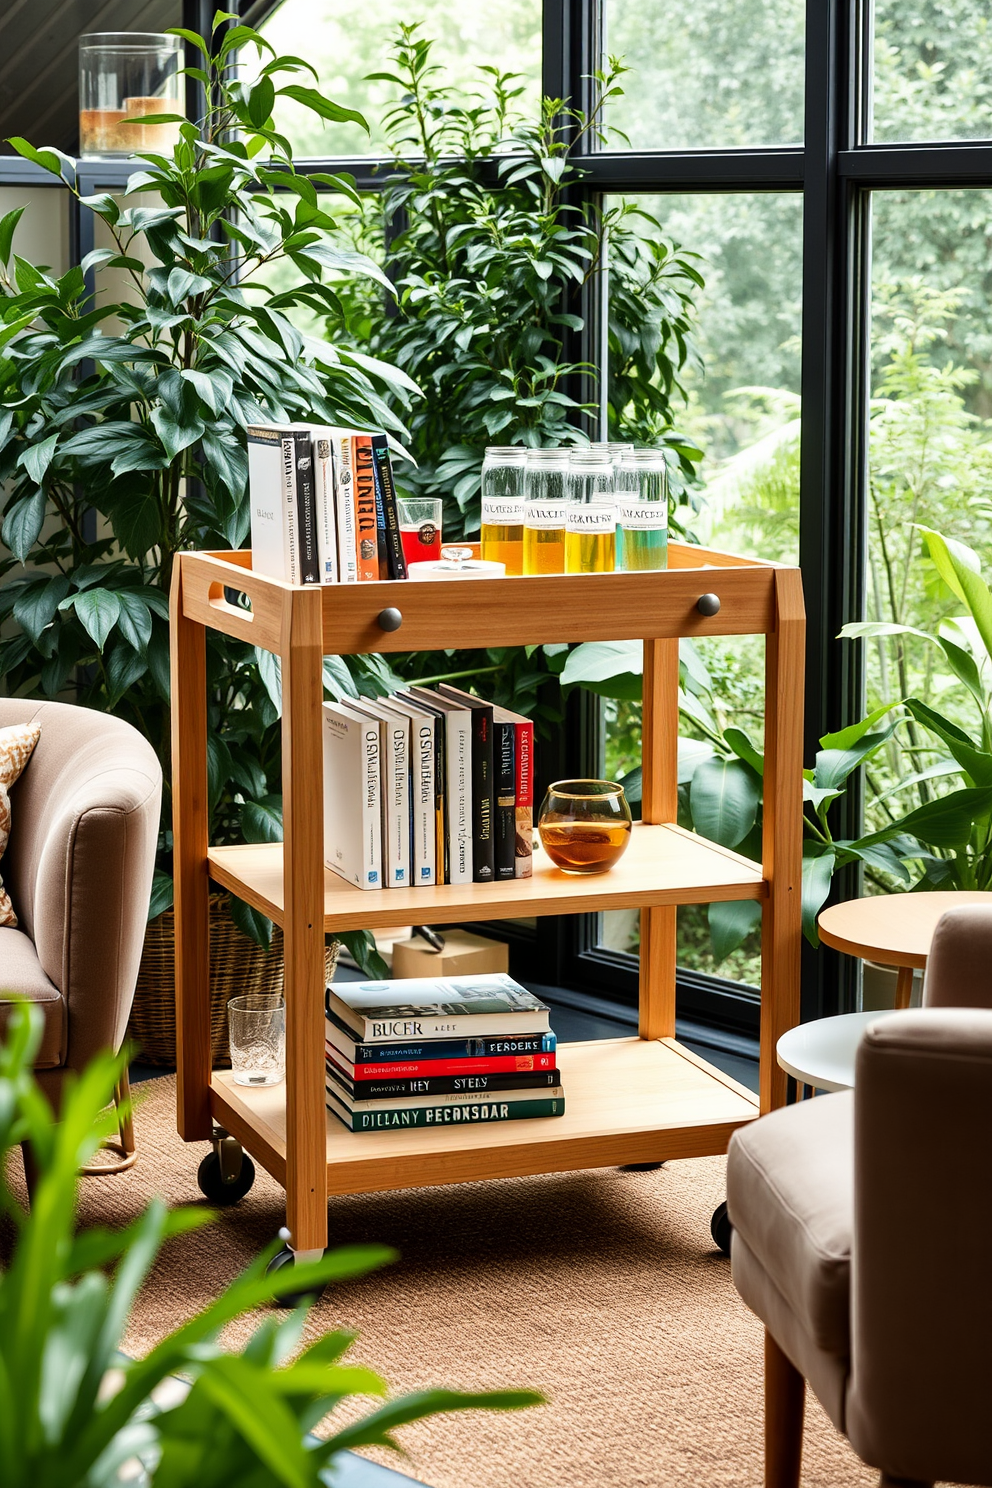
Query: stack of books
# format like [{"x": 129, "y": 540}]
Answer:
[
  {"x": 427, "y": 786},
  {"x": 438, "y": 1053},
  {"x": 323, "y": 505}
]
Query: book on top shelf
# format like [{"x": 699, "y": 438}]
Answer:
[
  {"x": 448, "y": 1007},
  {"x": 366, "y": 526},
  {"x": 327, "y": 527},
  {"x": 344, "y": 505}
]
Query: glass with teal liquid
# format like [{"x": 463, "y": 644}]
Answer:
[{"x": 642, "y": 510}]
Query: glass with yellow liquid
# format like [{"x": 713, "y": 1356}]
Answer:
[
  {"x": 503, "y": 505},
  {"x": 642, "y": 511},
  {"x": 590, "y": 512},
  {"x": 544, "y": 511}
]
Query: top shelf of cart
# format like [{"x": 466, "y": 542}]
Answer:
[{"x": 217, "y": 587}]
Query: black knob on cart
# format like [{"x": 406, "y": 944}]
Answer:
[
  {"x": 390, "y": 619},
  {"x": 708, "y": 604}
]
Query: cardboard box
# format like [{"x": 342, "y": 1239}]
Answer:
[{"x": 463, "y": 954}]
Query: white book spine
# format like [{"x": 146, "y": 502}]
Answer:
[
  {"x": 352, "y": 798},
  {"x": 265, "y": 499},
  {"x": 458, "y": 740},
  {"x": 423, "y": 865},
  {"x": 344, "y": 508},
  {"x": 293, "y": 571},
  {"x": 396, "y": 782},
  {"x": 327, "y": 534}
]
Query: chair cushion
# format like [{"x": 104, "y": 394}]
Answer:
[
  {"x": 790, "y": 1195},
  {"x": 21, "y": 973},
  {"x": 16, "y": 744}
]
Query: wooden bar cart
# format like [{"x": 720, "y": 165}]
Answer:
[{"x": 629, "y": 1100}]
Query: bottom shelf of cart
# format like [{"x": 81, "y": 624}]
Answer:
[{"x": 626, "y": 1100}]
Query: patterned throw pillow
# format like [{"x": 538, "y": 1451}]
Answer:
[{"x": 16, "y": 744}]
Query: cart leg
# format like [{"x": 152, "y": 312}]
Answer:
[
  {"x": 190, "y": 827},
  {"x": 303, "y": 927}
]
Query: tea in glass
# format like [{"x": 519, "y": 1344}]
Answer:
[{"x": 585, "y": 825}]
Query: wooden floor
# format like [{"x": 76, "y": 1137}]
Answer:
[
  {"x": 663, "y": 865},
  {"x": 626, "y": 1100}
]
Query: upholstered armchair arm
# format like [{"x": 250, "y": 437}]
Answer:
[
  {"x": 921, "y": 1379},
  {"x": 959, "y": 966}
]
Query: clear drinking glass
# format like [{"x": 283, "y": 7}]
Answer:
[
  {"x": 257, "y": 1030},
  {"x": 544, "y": 511},
  {"x": 590, "y": 512},
  {"x": 502, "y": 506},
  {"x": 420, "y": 528},
  {"x": 585, "y": 825},
  {"x": 124, "y": 76},
  {"x": 642, "y": 510}
]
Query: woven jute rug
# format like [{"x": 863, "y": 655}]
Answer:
[{"x": 601, "y": 1289}]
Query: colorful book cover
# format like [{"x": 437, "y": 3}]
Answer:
[
  {"x": 371, "y": 1116},
  {"x": 498, "y": 1046},
  {"x": 366, "y": 530},
  {"x": 441, "y": 1008},
  {"x": 497, "y": 1064},
  {"x": 523, "y": 811}
]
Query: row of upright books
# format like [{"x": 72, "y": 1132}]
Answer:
[
  {"x": 427, "y": 786},
  {"x": 438, "y": 1053},
  {"x": 323, "y": 505}
]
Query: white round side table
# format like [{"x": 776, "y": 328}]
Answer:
[{"x": 821, "y": 1054}]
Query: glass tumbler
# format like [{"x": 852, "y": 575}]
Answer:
[
  {"x": 124, "y": 78},
  {"x": 590, "y": 512},
  {"x": 544, "y": 511},
  {"x": 502, "y": 506},
  {"x": 642, "y": 510},
  {"x": 257, "y": 1029},
  {"x": 420, "y": 528},
  {"x": 584, "y": 825}
]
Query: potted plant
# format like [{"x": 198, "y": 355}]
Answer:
[{"x": 122, "y": 425}]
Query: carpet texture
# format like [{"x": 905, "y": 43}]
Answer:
[{"x": 601, "y": 1289}]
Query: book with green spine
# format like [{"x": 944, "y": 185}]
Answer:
[{"x": 442, "y": 1110}]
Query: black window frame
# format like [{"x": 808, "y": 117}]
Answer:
[{"x": 835, "y": 169}]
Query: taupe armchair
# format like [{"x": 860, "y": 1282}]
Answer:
[
  {"x": 863, "y": 1237},
  {"x": 84, "y": 828}
]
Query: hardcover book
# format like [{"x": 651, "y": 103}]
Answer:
[
  {"x": 523, "y": 811},
  {"x": 457, "y": 779},
  {"x": 504, "y": 794},
  {"x": 439, "y": 717},
  {"x": 352, "y": 796},
  {"x": 420, "y": 1085},
  {"x": 483, "y": 843},
  {"x": 448, "y": 1007},
  {"x": 344, "y": 506},
  {"x": 366, "y": 528},
  {"x": 323, "y": 482},
  {"x": 396, "y": 563},
  {"x": 306, "y": 505},
  {"x": 385, "y": 1069},
  {"x": 272, "y": 499},
  {"x": 442, "y": 1110},
  {"x": 394, "y": 739},
  {"x": 423, "y": 792},
  {"x": 500, "y": 1046}
]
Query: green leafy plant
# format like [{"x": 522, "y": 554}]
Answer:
[
  {"x": 76, "y": 1413},
  {"x": 492, "y": 264},
  {"x": 122, "y": 431}
]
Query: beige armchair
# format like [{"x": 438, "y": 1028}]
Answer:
[
  {"x": 862, "y": 1232},
  {"x": 84, "y": 828}
]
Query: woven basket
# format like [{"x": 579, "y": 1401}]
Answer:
[{"x": 237, "y": 966}]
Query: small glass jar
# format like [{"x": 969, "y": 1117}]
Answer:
[
  {"x": 503, "y": 505},
  {"x": 544, "y": 511},
  {"x": 585, "y": 825},
  {"x": 124, "y": 77},
  {"x": 642, "y": 510},
  {"x": 590, "y": 512},
  {"x": 616, "y": 450}
]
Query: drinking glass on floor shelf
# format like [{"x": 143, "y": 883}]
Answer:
[{"x": 257, "y": 1029}]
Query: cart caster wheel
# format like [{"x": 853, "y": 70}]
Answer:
[
  {"x": 721, "y": 1229},
  {"x": 220, "y": 1188},
  {"x": 284, "y": 1260},
  {"x": 641, "y": 1167}
]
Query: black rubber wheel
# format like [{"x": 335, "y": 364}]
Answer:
[
  {"x": 285, "y": 1260},
  {"x": 721, "y": 1229},
  {"x": 641, "y": 1167},
  {"x": 213, "y": 1186}
]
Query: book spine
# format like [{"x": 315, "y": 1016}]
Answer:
[
  {"x": 371, "y": 787},
  {"x": 523, "y": 849},
  {"x": 327, "y": 535},
  {"x": 344, "y": 508},
  {"x": 290, "y": 514},
  {"x": 423, "y": 866},
  {"x": 363, "y": 484},
  {"x": 459, "y": 798},
  {"x": 473, "y": 1113},
  {"x": 306, "y": 506},
  {"x": 266, "y": 502},
  {"x": 494, "y": 1047},
  {"x": 483, "y": 842},
  {"x": 505, "y": 794},
  {"x": 395, "y": 562},
  {"x": 396, "y": 782},
  {"x": 381, "y": 545},
  {"x": 446, "y": 1085},
  {"x": 431, "y": 1069}
]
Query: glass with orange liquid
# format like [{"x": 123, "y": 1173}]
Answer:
[
  {"x": 544, "y": 511},
  {"x": 584, "y": 825},
  {"x": 503, "y": 506},
  {"x": 126, "y": 78}
]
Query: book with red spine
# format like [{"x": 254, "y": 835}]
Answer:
[
  {"x": 495, "y": 1064},
  {"x": 523, "y": 844}
]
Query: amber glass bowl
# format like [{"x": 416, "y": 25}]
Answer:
[{"x": 584, "y": 825}]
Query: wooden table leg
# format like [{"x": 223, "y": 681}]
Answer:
[{"x": 904, "y": 986}]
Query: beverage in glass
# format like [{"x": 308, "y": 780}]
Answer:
[
  {"x": 420, "y": 528},
  {"x": 584, "y": 825},
  {"x": 642, "y": 511},
  {"x": 256, "y": 1026},
  {"x": 590, "y": 512},
  {"x": 502, "y": 506},
  {"x": 544, "y": 511}
]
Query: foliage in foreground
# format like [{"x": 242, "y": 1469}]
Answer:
[
  {"x": 75, "y": 1413},
  {"x": 122, "y": 435}
]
